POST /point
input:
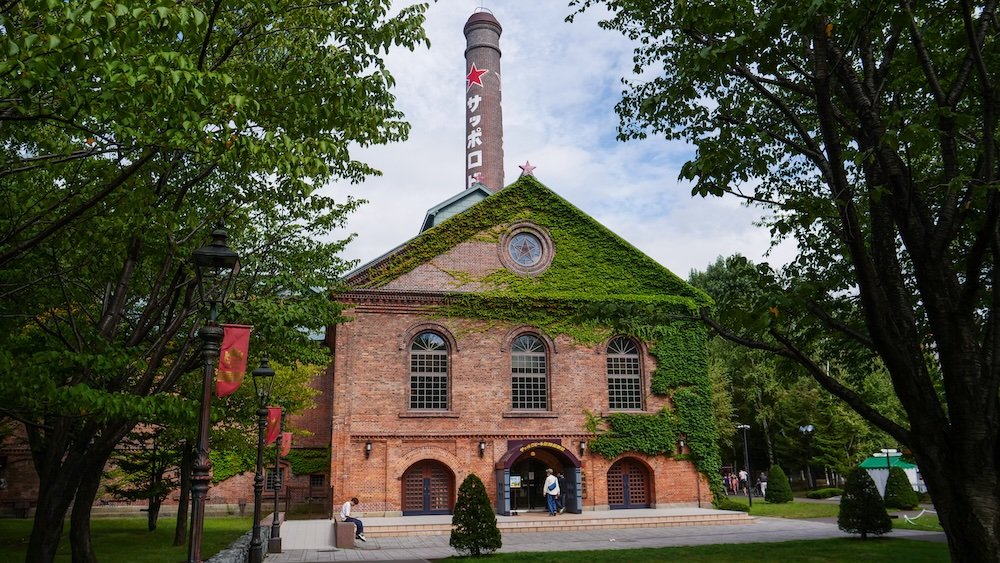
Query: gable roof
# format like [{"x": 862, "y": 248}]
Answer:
[
  {"x": 455, "y": 205},
  {"x": 589, "y": 258}
]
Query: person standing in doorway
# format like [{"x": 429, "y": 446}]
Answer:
[
  {"x": 345, "y": 515},
  {"x": 551, "y": 489}
]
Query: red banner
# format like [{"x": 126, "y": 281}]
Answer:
[
  {"x": 273, "y": 424},
  {"x": 286, "y": 443},
  {"x": 232, "y": 359}
]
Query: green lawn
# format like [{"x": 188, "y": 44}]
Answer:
[
  {"x": 126, "y": 539},
  {"x": 883, "y": 550},
  {"x": 794, "y": 509}
]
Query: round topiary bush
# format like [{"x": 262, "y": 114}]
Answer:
[
  {"x": 474, "y": 524},
  {"x": 861, "y": 508},
  {"x": 778, "y": 488},
  {"x": 898, "y": 491}
]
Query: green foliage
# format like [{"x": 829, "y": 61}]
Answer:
[
  {"x": 779, "y": 490},
  {"x": 650, "y": 434},
  {"x": 898, "y": 491},
  {"x": 866, "y": 141},
  {"x": 229, "y": 463},
  {"x": 129, "y": 130},
  {"x": 309, "y": 460},
  {"x": 861, "y": 508},
  {"x": 722, "y": 502},
  {"x": 474, "y": 524},
  {"x": 825, "y": 493}
]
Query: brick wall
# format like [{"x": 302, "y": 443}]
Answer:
[{"x": 370, "y": 390}]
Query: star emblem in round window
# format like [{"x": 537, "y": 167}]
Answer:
[{"x": 525, "y": 249}]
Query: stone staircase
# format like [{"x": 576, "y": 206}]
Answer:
[{"x": 542, "y": 522}]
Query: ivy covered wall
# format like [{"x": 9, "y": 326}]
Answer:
[{"x": 597, "y": 285}]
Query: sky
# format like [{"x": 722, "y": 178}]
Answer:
[{"x": 560, "y": 85}]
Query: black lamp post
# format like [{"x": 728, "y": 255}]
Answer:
[
  {"x": 263, "y": 379},
  {"x": 807, "y": 431},
  {"x": 746, "y": 459},
  {"x": 216, "y": 265},
  {"x": 274, "y": 542}
]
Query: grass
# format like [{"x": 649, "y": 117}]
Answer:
[
  {"x": 883, "y": 550},
  {"x": 790, "y": 509},
  {"x": 126, "y": 539},
  {"x": 927, "y": 522}
]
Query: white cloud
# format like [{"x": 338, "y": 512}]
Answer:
[{"x": 560, "y": 84}]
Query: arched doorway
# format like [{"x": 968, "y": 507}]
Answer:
[
  {"x": 629, "y": 485},
  {"x": 428, "y": 488},
  {"x": 520, "y": 474},
  {"x": 531, "y": 469}
]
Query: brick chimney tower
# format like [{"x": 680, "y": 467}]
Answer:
[{"x": 483, "y": 116}]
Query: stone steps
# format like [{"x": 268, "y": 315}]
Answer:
[{"x": 564, "y": 522}]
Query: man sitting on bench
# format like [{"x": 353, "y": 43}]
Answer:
[{"x": 345, "y": 515}]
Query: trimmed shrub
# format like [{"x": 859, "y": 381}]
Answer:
[
  {"x": 778, "y": 488},
  {"x": 861, "y": 508},
  {"x": 898, "y": 491},
  {"x": 825, "y": 493},
  {"x": 474, "y": 524},
  {"x": 726, "y": 503}
]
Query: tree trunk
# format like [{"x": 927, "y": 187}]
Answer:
[
  {"x": 57, "y": 486},
  {"x": 46, "y": 530},
  {"x": 967, "y": 500},
  {"x": 79, "y": 526},
  {"x": 153, "y": 513},
  {"x": 187, "y": 460}
]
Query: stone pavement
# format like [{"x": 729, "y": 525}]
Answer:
[{"x": 423, "y": 548}]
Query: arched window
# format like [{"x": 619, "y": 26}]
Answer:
[
  {"x": 529, "y": 374},
  {"x": 624, "y": 378},
  {"x": 429, "y": 372}
]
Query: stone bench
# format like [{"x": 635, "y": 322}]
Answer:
[{"x": 343, "y": 534}]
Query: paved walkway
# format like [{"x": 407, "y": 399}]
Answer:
[{"x": 423, "y": 548}]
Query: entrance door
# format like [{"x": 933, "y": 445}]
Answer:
[
  {"x": 427, "y": 489},
  {"x": 529, "y": 496},
  {"x": 628, "y": 485}
]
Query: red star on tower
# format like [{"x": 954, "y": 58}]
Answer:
[{"x": 475, "y": 76}]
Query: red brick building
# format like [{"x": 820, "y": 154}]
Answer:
[{"x": 447, "y": 369}]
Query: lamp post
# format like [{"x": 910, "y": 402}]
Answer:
[
  {"x": 263, "y": 379},
  {"x": 807, "y": 431},
  {"x": 274, "y": 542},
  {"x": 216, "y": 265},
  {"x": 746, "y": 460}
]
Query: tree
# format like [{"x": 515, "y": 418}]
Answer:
[
  {"x": 474, "y": 525},
  {"x": 869, "y": 132},
  {"x": 861, "y": 508},
  {"x": 127, "y": 131},
  {"x": 778, "y": 488},
  {"x": 898, "y": 491}
]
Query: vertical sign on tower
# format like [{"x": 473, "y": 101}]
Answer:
[{"x": 483, "y": 117}]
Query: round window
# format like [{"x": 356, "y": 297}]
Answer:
[{"x": 526, "y": 249}]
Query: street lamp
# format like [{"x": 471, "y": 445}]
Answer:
[
  {"x": 746, "y": 460},
  {"x": 807, "y": 431},
  {"x": 274, "y": 542},
  {"x": 216, "y": 266},
  {"x": 263, "y": 379}
]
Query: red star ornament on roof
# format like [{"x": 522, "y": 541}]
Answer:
[
  {"x": 475, "y": 76},
  {"x": 527, "y": 169}
]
